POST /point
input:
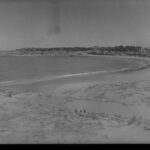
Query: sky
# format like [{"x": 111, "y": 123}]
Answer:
[{"x": 69, "y": 23}]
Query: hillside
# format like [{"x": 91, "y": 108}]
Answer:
[{"x": 80, "y": 51}]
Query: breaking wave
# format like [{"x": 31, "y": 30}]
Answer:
[{"x": 27, "y": 81}]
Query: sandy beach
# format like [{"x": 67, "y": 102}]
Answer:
[{"x": 106, "y": 108}]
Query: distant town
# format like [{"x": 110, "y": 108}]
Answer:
[{"x": 80, "y": 51}]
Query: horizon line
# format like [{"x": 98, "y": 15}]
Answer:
[{"x": 76, "y": 47}]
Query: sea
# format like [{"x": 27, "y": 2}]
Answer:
[{"x": 13, "y": 68}]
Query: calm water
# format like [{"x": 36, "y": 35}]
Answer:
[{"x": 22, "y": 67}]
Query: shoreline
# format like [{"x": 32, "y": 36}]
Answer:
[
  {"x": 40, "y": 109},
  {"x": 28, "y": 81}
]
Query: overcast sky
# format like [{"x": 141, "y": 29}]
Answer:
[{"x": 56, "y": 23}]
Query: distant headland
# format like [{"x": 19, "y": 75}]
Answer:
[{"x": 80, "y": 51}]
